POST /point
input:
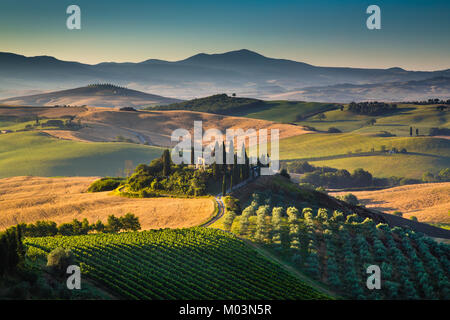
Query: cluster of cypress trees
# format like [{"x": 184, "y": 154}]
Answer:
[{"x": 12, "y": 251}]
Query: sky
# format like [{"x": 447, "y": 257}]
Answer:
[{"x": 414, "y": 35}]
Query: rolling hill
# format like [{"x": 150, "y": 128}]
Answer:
[
  {"x": 386, "y": 91},
  {"x": 31, "y": 199},
  {"x": 428, "y": 202},
  {"x": 351, "y": 151},
  {"x": 244, "y": 72},
  {"x": 92, "y": 95},
  {"x": 280, "y": 111},
  {"x": 145, "y": 127},
  {"x": 181, "y": 264},
  {"x": 39, "y": 154}
]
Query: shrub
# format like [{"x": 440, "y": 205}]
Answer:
[
  {"x": 334, "y": 130},
  {"x": 349, "y": 198},
  {"x": 105, "y": 184},
  {"x": 398, "y": 214},
  {"x": 59, "y": 259}
]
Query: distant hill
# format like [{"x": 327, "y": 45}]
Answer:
[
  {"x": 438, "y": 87},
  {"x": 282, "y": 111},
  {"x": 101, "y": 95},
  {"x": 245, "y": 72}
]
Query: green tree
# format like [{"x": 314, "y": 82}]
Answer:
[
  {"x": 130, "y": 222},
  {"x": 166, "y": 162},
  {"x": 224, "y": 185},
  {"x": 114, "y": 224},
  {"x": 59, "y": 259}
]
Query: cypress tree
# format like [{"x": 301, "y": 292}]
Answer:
[
  {"x": 166, "y": 162},
  {"x": 224, "y": 185},
  {"x": 224, "y": 155},
  {"x": 192, "y": 155},
  {"x": 232, "y": 178}
]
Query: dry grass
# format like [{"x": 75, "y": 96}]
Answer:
[
  {"x": 428, "y": 202},
  {"x": 105, "y": 124},
  {"x": 29, "y": 199}
]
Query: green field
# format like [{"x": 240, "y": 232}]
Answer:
[
  {"x": 288, "y": 111},
  {"x": 275, "y": 110},
  {"x": 341, "y": 151},
  {"x": 195, "y": 263},
  {"x": 422, "y": 117},
  {"x": 38, "y": 154}
]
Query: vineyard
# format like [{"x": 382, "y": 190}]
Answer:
[
  {"x": 337, "y": 249},
  {"x": 193, "y": 263}
]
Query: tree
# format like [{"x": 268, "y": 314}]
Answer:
[
  {"x": 371, "y": 121},
  {"x": 59, "y": 259},
  {"x": 411, "y": 131},
  {"x": 231, "y": 179},
  {"x": 166, "y": 162},
  {"x": 417, "y": 131},
  {"x": 414, "y": 218},
  {"x": 130, "y": 222},
  {"x": 98, "y": 226},
  {"x": 284, "y": 173},
  {"x": 114, "y": 224},
  {"x": 224, "y": 185},
  {"x": 321, "y": 116},
  {"x": 192, "y": 155}
]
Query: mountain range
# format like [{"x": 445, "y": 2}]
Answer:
[{"x": 243, "y": 72}]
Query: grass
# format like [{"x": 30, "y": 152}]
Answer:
[
  {"x": 30, "y": 199},
  {"x": 195, "y": 263},
  {"x": 37, "y": 154},
  {"x": 342, "y": 151},
  {"x": 407, "y": 166},
  {"x": 422, "y": 117},
  {"x": 429, "y": 202},
  {"x": 287, "y": 111}
]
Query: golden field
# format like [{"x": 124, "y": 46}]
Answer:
[
  {"x": 29, "y": 199},
  {"x": 429, "y": 202},
  {"x": 153, "y": 127}
]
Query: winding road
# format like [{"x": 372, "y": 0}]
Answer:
[{"x": 220, "y": 212}]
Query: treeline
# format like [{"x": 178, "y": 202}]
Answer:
[
  {"x": 128, "y": 222},
  {"x": 439, "y": 132},
  {"x": 106, "y": 86},
  {"x": 12, "y": 251},
  {"x": 340, "y": 178},
  {"x": 429, "y": 101},
  {"x": 372, "y": 108}
]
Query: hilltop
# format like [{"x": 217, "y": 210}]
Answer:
[
  {"x": 282, "y": 111},
  {"x": 98, "y": 95}
]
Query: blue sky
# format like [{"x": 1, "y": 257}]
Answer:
[{"x": 414, "y": 34}]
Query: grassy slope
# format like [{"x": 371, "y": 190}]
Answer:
[
  {"x": 398, "y": 123},
  {"x": 287, "y": 111},
  {"x": 281, "y": 111},
  {"x": 424, "y": 153},
  {"x": 33, "y": 153},
  {"x": 196, "y": 263}
]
